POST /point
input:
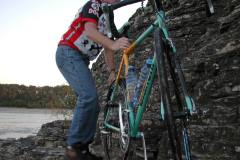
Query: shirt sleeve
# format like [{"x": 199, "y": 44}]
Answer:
[{"x": 91, "y": 12}]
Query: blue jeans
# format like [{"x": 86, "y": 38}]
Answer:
[{"x": 74, "y": 67}]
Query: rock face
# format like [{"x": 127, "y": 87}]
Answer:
[
  {"x": 209, "y": 49},
  {"x": 48, "y": 144}
]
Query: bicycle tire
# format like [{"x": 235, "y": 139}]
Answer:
[
  {"x": 115, "y": 144},
  {"x": 180, "y": 90},
  {"x": 133, "y": 153},
  {"x": 165, "y": 96}
]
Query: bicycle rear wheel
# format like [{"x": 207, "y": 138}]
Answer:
[
  {"x": 182, "y": 113},
  {"x": 116, "y": 143},
  {"x": 173, "y": 136}
]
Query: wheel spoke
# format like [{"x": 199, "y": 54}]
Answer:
[{"x": 117, "y": 116}]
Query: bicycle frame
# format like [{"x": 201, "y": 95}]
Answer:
[{"x": 135, "y": 119}]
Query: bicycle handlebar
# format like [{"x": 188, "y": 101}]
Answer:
[
  {"x": 124, "y": 3},
  {"x": 110, "y": 8}
]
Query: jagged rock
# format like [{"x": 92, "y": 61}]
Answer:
[
  {"x": 209, "y": 49},
  {"x": 48, "y": 144}
]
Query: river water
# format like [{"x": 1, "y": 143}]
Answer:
[{"x": 22, "y": 122}]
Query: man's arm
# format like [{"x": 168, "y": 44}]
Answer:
[
  {"x": 109, "y": 59},
  {"x": 109, "y": 45},
  {"x": 95, "y": 35}
]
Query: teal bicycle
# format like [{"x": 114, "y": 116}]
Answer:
[{"x": 121, "y": 128}]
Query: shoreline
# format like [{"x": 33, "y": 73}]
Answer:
[
  {"x": 49, "y": 143},
  {"x": 23, "y": 122}
]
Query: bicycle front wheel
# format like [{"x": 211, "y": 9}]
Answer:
[
  {"x": 115, "y": 137},
  {"x": 173, "y": 136}
]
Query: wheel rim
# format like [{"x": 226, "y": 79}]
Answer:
[{"x": 124, "y": 128}]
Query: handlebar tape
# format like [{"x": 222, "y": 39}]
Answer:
[{"x": 124, "y": 3}]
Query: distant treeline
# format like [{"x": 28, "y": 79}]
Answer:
[{"x": 14, "y": 95}]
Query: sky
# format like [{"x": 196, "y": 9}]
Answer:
[{"x": 29, "y": 34}]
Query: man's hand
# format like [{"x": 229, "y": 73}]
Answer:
[{"x": 121, "y": 43}]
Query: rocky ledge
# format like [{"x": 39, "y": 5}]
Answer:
[
  {"x": 209, "y": 49},
  {"x": 48, "y": 144}
]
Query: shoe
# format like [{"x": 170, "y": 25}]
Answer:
[
  {"x": 71, "y": 153},
  {"x": 80, "y": 154}
]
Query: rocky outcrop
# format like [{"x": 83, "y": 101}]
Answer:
[
  {"x": 48, "y": 144},
  {"x": 209, "y": 49}
]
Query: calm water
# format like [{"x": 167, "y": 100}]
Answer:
[{"x": 21, "y": 122}]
